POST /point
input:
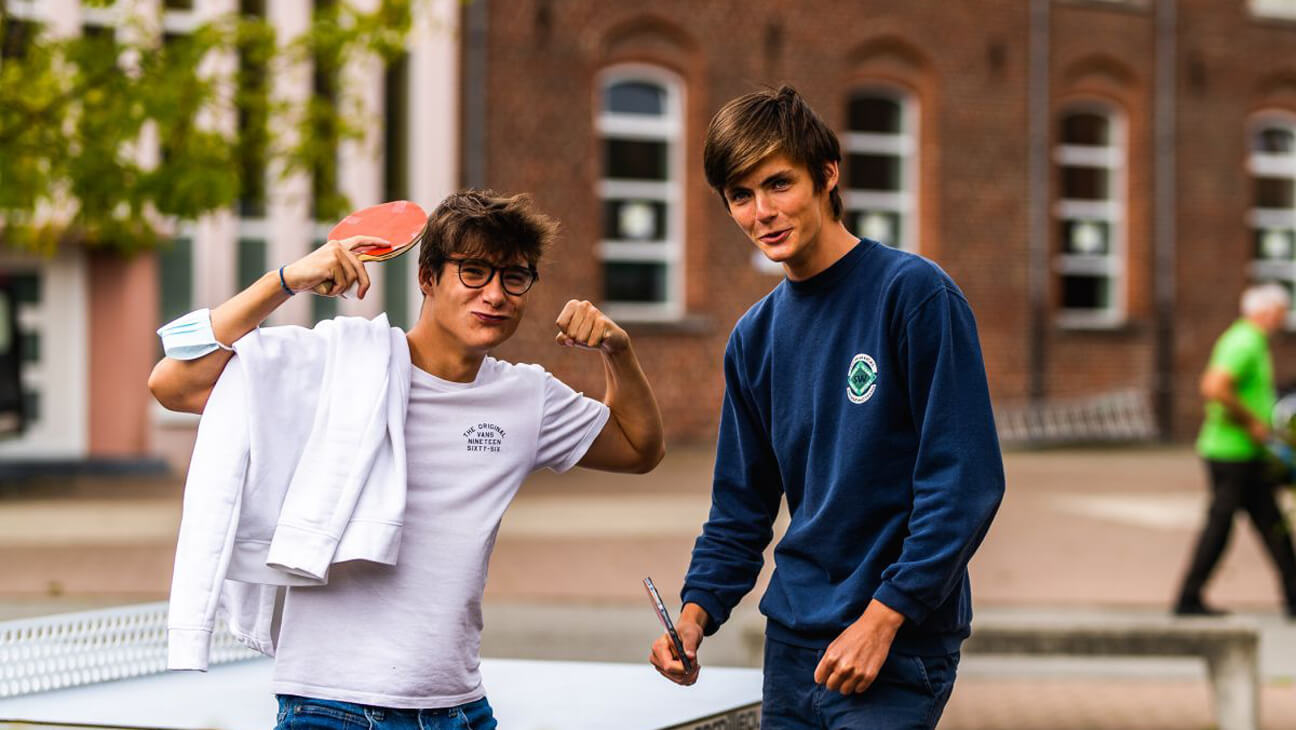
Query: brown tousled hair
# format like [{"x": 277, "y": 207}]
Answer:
[
  {"x": 754, "y": 126},
  {"x": 487, "y": 224}
]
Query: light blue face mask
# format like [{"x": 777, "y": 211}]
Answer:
[{"x": 190, "y": 337}]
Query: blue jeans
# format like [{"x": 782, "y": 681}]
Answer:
[
  {"x": 304, "y": 713},
  {"x": 909, "y": 693}
]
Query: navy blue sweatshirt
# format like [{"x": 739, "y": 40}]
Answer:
[{"x": 860, "y": 395}]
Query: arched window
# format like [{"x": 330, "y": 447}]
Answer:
[
  {"x": 1272, "y": 164},
  {"x": 1091, "y": 217},
  {"x": 640, "y": 125},
  {"x": 879, "y": 175}
]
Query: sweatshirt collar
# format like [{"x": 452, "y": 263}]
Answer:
[{"x": 826, "y": 279}]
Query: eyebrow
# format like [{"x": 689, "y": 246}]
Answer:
[{"x": 785, "y": 172}]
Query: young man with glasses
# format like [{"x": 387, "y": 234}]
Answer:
[
  {"x": 397, "y": 646},
  {"x": 856, "y": 390}
]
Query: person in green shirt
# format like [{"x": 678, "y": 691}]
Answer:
[{"x": 1238, "y": 386}]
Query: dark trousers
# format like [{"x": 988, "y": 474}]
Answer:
[
  {"x": 1241, "y": 485},
  {"x": 909, "y": 693}
]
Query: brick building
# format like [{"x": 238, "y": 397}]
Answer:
[{"x": 1101, "y": 177}]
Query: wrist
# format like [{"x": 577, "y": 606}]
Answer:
[
  {"x": 281, "y": 278},
  {"x": 884, "y": 616},
  {"x": 693, "y": 613}
]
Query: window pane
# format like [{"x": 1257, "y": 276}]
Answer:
[
  {"x": 252, "y": 103},
  {"x": 179, "y": 4},
  {"x": 396, "y": 289},
  {"x": 175, "y": 267},
  {"x": 323, "y": 308},
  {"x": 1086, "y": 237},
  {"x": 8, "y": 325},
  {"x": 30, "y": 347},
  {"x": 15, "y": 37},
  {"x": 396, "y": 136},
  {"x": 31, "y": 406},
  {"x": 873, "y": 172},
  {"x": 635, "y": 97},
  {"x": 1086, "y": 129},
  {"x": 325, "y": 198},
  {"x": 1085, "y": 183},
  {"x": 251, "y": 261},
  {"x": 873, "y": 114},
  {"x": 1274, "y": 244},
  {"x": 627, "y": 159},
  {"x": 1274, "y": 140},
  {"x": 879, "y": 225},
  {"x": 27, "y": 288},
  {"x": 634, "y": 282},
  {"x": 634, "y": 220},
  {"x": 1273, "y": 192},
  {"x": 1086, "y": 292}
]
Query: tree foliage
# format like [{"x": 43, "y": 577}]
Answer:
[{"x": 76, "y": 112}]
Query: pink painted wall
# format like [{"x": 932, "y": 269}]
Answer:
[{"x": 123, "y": 348}]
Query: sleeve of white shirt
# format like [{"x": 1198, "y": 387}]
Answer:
[{"x": 569, "y": 423}]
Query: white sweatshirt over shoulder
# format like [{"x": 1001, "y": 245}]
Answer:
[{"x": 299, "y": 464}]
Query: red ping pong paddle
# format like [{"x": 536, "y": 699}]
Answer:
[{"x": 400, "y": 224}]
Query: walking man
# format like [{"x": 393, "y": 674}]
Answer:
[
  {"x": 1238, "y": 387},
  {"x": 856, "y": 390}
]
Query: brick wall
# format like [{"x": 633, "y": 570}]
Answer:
[{"x": 966, "y": 66}]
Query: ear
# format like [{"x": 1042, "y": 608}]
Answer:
[
  {"x": 426, "y": 280},
  {"x": 831, "y": 174}
]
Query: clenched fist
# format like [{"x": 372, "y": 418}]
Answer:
[{"x": 581, "y": 324}]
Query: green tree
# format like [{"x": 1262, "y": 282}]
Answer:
[{"x": 72, "y": 110}]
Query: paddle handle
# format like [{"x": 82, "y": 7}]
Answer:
[{"x": 323, "y": 287}]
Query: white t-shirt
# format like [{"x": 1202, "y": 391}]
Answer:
[{"x": 407, "y": 636}]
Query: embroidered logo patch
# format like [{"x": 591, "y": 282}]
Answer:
[
  {"x": 484, "y": 437},
  {"x": 861, "y": 378}
]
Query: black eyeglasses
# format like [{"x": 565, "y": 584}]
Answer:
[{"x": 476, "y": 273}]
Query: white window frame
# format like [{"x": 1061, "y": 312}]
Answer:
[
  {"x": 1281, "y": 9},
  {"x": 1112, "y": 212},
  {"x": 1274, "y": 166},
  {"x": 669, "y": 129},
  {"x": 60, "y": 377},
  {"x": 903, "y": 203}
]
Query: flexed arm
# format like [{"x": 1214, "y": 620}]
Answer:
[{"x": 632, "y": 440}]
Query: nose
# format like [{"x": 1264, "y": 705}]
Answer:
[
  {"x": 493, "y": 293},
  {"x": 764, "y": 206}
]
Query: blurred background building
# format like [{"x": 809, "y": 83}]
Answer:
[{"x": 1102, "y": 178}]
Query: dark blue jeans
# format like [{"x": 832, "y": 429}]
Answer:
[
  {"x": 909, "y": 693},
  {"x": 304, "y": 713}
]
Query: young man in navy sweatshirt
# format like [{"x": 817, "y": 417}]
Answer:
[{"x": 856, "y": 390}]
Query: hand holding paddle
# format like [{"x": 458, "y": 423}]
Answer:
[
  {"x": 332, "y": 269},
  {"x": 377, "y": 233}
]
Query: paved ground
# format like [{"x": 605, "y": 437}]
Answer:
[{"x": 1102, "y": 530}]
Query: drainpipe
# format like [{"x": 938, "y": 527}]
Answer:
[
  {"x": 1037, "y": 197},
  {"x": 474, "y": 84},
  {"x": 1164, "y": 215}
]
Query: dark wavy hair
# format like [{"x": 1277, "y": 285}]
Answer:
[
  {"x": 486, "y": 224},
  {"x": 757, "y": 125}
]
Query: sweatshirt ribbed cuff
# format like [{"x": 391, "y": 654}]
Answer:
[
  {"x": 302, "y": 552},
  {"x": 896, "y": 599},
  {"x": 188, "y": 649},
  {"x": 716, "y": 613}
]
